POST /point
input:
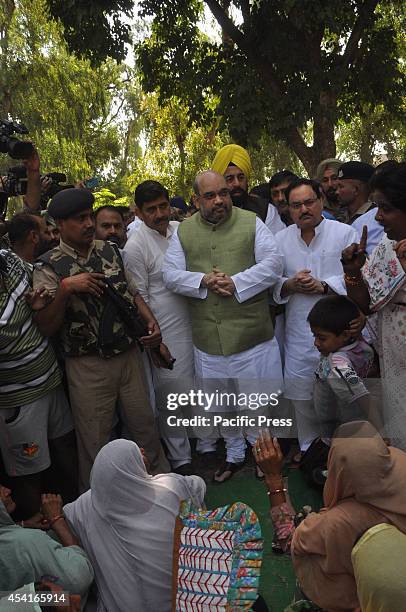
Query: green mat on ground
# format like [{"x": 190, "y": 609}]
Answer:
[{"x": 277, "y": 576}]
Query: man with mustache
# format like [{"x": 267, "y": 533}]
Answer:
[
  {"x": 327, "y": 175},
  {"x": 224, "y": 260},
  {"x": 143, "y": 255},
  {"x": 102, "y": 360},
  {"x": 110, "y": 225},
  {"x": 234, "y": 163},
  {"x": 278, "y": 184},
  {"x": 353, "y": 189},
  {"x": 311, "y": 249}
]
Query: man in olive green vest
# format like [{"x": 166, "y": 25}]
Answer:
[
  {"x": 225, "y": 259},
  {"x": 102, "y": 359}
]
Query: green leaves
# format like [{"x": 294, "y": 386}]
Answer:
[
  {"x": 95, "y": 28},
  {"x": 282, "y": 67},
  {"x": 63, "y": 100}
]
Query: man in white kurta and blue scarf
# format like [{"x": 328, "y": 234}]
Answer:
[
  {"x": 311, "y": 249},
  {"x": 143, "y": 256},
  {"x": 224, "y": 260}
]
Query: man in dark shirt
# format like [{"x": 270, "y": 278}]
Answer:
[{"x": 353, "y": 190}]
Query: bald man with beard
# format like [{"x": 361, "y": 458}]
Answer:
[{"x": 224, "y": 260}]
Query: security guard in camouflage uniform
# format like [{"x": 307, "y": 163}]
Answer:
[{"x": 102, "y": 359}]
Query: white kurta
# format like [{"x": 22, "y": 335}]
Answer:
[
  {"x": 134, "y": 226},
  {"x": 143, "y": 256},
  {"x": 273, "y": 221},
  {"x": 260, "y": 363},
  {"x": 262, "y": 275},
  {"x": 322, "y": 258}
]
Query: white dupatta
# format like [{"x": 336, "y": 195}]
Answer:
[{"x": 126, "y": 523}]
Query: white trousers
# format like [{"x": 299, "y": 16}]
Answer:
[{"x": 251, "y": 372}]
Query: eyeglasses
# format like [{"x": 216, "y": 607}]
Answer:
[
  {"x": 308, "y": 203},
  {"x": 211, "y": 195}
]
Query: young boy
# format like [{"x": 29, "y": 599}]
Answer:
[{"x": 339, "y": 395}]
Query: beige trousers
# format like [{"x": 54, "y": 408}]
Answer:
[{"x": 95, "y": 386}]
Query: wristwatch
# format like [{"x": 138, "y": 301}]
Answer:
[{"x": 325, "y": 287}]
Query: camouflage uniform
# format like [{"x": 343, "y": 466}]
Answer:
[
  {"x": 82, "y": 330},
  {"x": 99, "y": 375}
]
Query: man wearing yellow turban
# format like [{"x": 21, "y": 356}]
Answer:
[{"x": 234, "y": 163}]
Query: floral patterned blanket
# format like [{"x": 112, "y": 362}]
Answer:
[{"x": 217, "y": 558}]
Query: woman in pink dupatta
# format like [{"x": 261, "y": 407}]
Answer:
[
  {"x": 366, "y": 486},
  {"x": 378, "y": 285}
]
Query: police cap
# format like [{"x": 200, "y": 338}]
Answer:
[
  {"x": 360, "y": 171},
  {"x": 69, "y": 202}
]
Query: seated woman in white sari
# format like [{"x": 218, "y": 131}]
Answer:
[
  {"x": 126, "y": 525},
  {"x": 378, "y": 285}
]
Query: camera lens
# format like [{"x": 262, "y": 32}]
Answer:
[{"x": 20, "y": 149}]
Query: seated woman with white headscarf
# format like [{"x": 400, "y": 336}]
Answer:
[{"x": 126, "y": 525}]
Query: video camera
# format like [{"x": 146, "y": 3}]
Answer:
[
  {"x": 15, "y": 182},
  {"x": 17, "y": 149}
]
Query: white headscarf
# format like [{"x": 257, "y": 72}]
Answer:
[{"x": 126, "y": 525}]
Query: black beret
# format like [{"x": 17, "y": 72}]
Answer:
[
  {"x": 69, "y": 202},
  {"x": 360, "y": 171}
]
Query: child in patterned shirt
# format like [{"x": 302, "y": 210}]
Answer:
[{"x": 339, "y": 393}]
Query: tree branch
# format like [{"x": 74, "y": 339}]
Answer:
[
  {"x": 296, "y": 142},
  {"x": 265, "y": 68},
  {"x": 114, "y": 117},
  {"x": 239, "y": 39},
  {"x": 227, "y": 24},
  {"x": 245, "y": 10},
  {"x": 352, "y": 49}
]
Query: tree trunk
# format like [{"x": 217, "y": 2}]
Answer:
[
  {"x": 126, "y": 151},
  {"x": 366, "y": 150},
  {"x": 323, "y": 135},
  {"x": 323, "y": 144},
  {"x": 325, "y": 112},
  {"x": 182, "y": 158}
]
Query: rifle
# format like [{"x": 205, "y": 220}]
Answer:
[{"x": 115, "y": 305}]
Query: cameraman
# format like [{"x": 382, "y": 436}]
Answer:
[{"x": 32, "y": 198}]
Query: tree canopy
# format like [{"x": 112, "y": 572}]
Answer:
[
  {"x": 64, "y": 102},
  {"x": 95, "y": 28},
  {"x": 293, "y": 80},
  {"x": 278, "y": 66}
]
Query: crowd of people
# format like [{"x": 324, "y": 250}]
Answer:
[{"x": 133, "y": 339}]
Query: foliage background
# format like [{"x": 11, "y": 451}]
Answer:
[{"x": 92, "y": 112}]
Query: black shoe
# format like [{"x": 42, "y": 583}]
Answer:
[
  {"x": 184, "y": 470},
  {"x": 227, "y": 471},
  {"x": 207, "y": 460}
]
